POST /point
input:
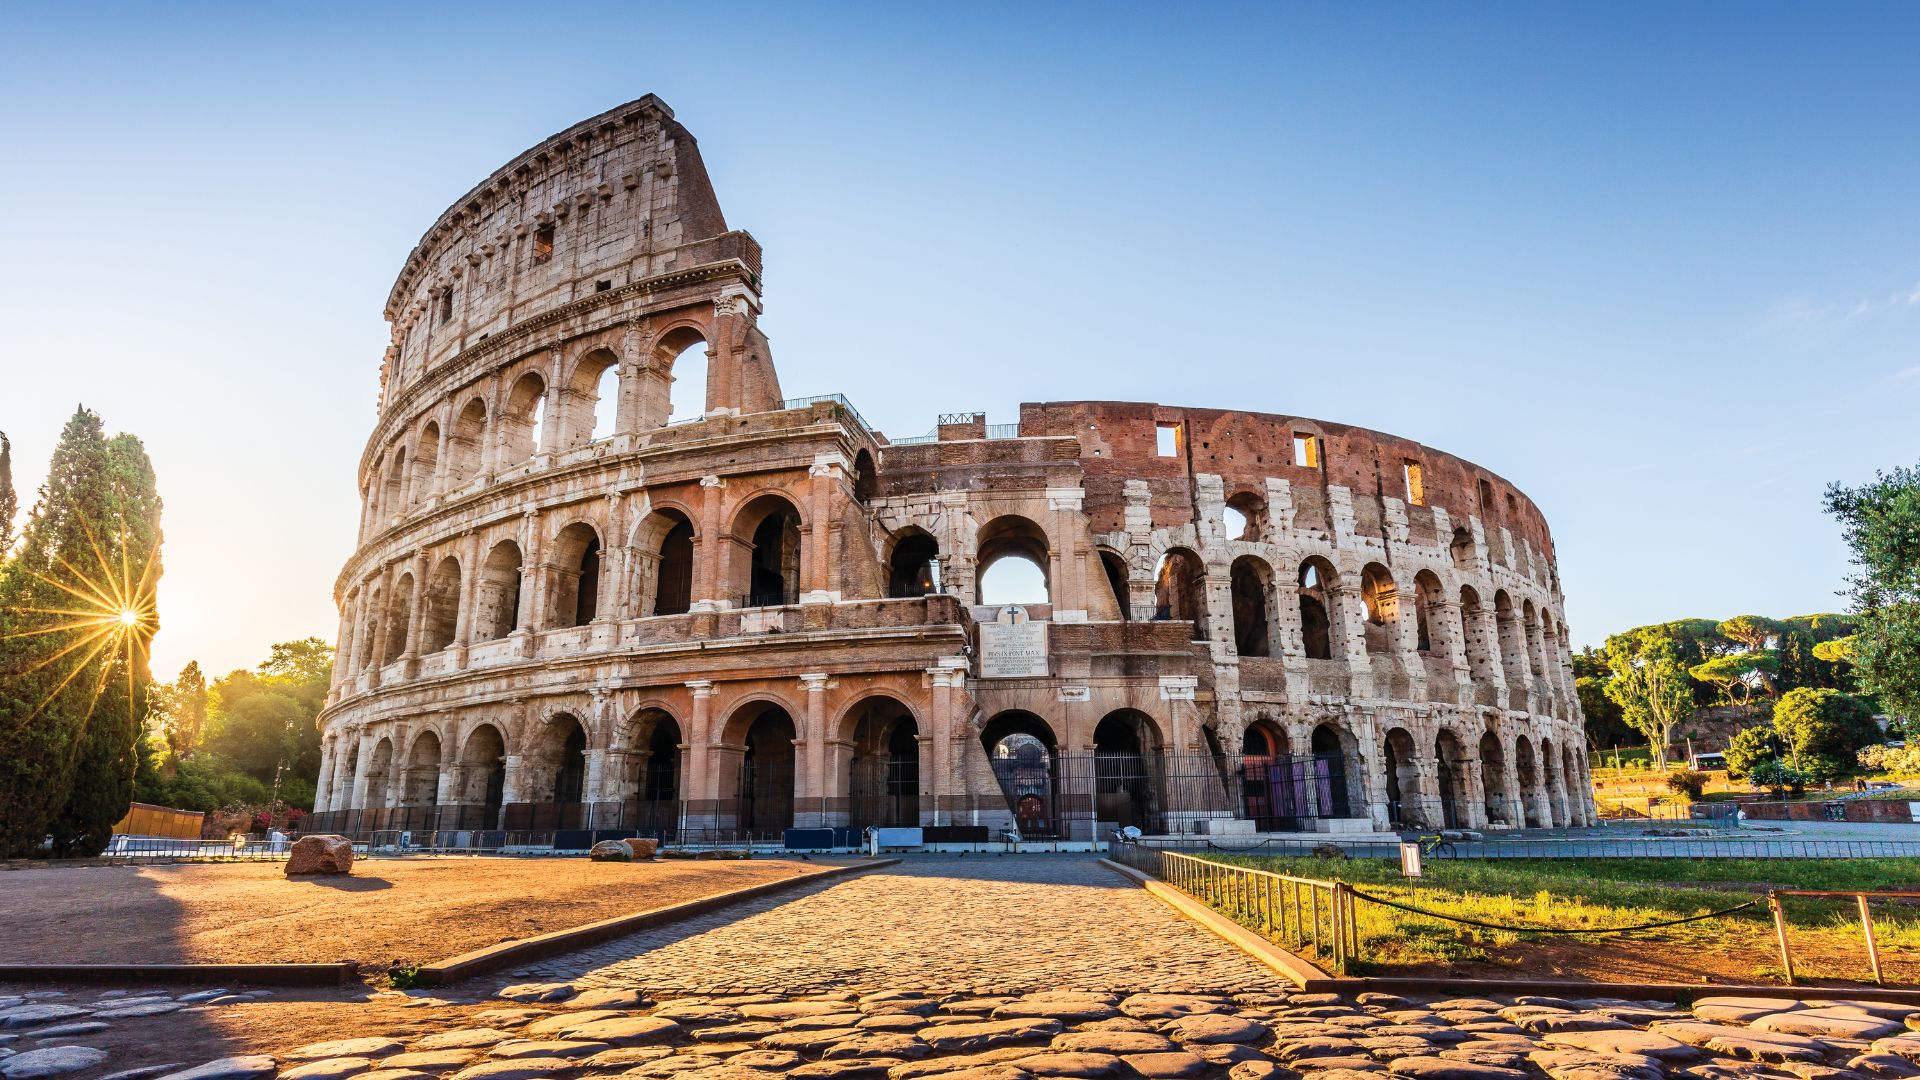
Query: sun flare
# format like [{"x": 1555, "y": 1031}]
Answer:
[{"x": 110, "y": 609}]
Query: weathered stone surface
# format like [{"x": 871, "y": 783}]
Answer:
[
  {"x": 566, "y": 1021},
  {"x": 1217, "y": 1028},
  {"x": 1225, "y": 1054},
  {"x": 517, "y": 1069},
  {"x": 50, "y": 1061},
  {"x": 698, "y": 1012},
  {"x": 1321, "y": 1065},
  {"x": 788, "y": 1010},
  {"x": 1589, "y": 1065},
  {"x": 844, "y": 1069},
  {"x": 69, "y": 1030},
  {"x": 372, "y": 1047},
  {"x": 609, "y": 997},
  {"x": 1073, "y": 1065},
  {"x": 823, "y": 1021},
  {"x": 1887, "y": 1066},
  {"x": 879, "y": 1044},
  {"x": 1112, "y": 1042},
  {"x": 1543, "y": 1023},
  {"x": 144, "y": 1072},
  {"x": 1258, "y": 1070},
  {"x": 1390, "y": 1047},
  {"x": 892, "y": 1021},
  {"x": 33, "y": 1013},
  {"x": 610, "y": 851},
  {"x": 628, "y": 1056},
  {"x": 1826, "y": 1023},
  {"x": 557, "y": 1048},
  {"x": 333, "y": 1068},
  {"x": 809, "y": 1042},
  {"x": 1170, "y": 1006},
  {"x": 1630, "y": 1041},
  {"x": 730, "y": 1032},
  {"x": 1740, "y": 1010},
  {"x": 395, "y": 1074},
  {"x": 1906, "y": 1046},
  {"x": 1290, "y": 1050},
  {"x": 1439, "y": 1068},
  {"x": 1066, "y": 1008},
  {"x": 624, "y": 1030},
  {"x": 242, "y": 1067},
  {"x": 941, "y": 1065},
  {"x": 989, "y": 1033},
  {"x": 550, "y": 991},
  {"x": 138, "y": 1008},
  {"x": 431, "y": 1061},
  {"x": 462, "y": 1038},
  {"x": 320, "y": 854},
  {"x": 765, "y": 1059},
  {"x": 1744, "y": 1044},
  {"x": 1173, "y": 1065}
]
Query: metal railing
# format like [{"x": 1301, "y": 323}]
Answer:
[
  {"x": 1298, "y": 912},
  {"x": 838, "y": 399},
  {"x": 1568, "y": 848},
  {"x": 1866, "y": 922}
]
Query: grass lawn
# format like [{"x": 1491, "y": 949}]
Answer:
[{"x": 1598, "y": 893}]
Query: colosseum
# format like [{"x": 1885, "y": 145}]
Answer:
[{"x": 573, "y": 613}]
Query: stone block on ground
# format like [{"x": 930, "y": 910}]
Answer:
[
  {"x": 242, "y": 1067},
  {"x": 50, "y": 1061},
  {"x": 320, "y": 854},
  {"x": 610, "y": 851},
  {"x": 643, "y": 847}
]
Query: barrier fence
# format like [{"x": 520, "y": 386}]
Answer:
[
  {"x": 1599, "y": 847},
  {"x": 1310, "y": 915}
]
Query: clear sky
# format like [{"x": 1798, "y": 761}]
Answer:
[{"x": 1656, "y": 264}]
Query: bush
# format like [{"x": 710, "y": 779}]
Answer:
[
  {"x": 1689, "y": 782},
  {"x": 1890, "y": 759},
  {"x": 1750, "y": 747},
  {"x": 1823, "y": 724},
  {"x": 1775, "y": 775}
]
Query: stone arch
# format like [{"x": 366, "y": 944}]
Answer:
[
  {"x": 379, "y": 775},
  {"x": 399, "y": 618},
  {"x": 393, "y": 498},
  {"x": 674, "y": 387},
  {"x": 1250, "y": 510},
  {"x": 441, "y": 615},
  {"x": 1532, "y": 798},
  {"x": 1252, "y": 590},
  {"x": 592, "y": 399},
  {"x": 422, "y": 784},
  {"x": 760, "y": 735},
  {"x": 1180, "y": 590},
  {"x": 466, "y": 449},
  {"x": 1493, "y": 779},
  {"x": 497, "y": 593},
  {"x": 1129, "y": 778},
  {"x": 911, "y": 557},
  {"x": 574, "y": 587},
  {"x": 1512, "y": 637},
  {"x": 1533, "y": 635},
  {"x": 1461, "y": 550},
  {"x": 1317, "y": 582},
  {"x": 1272, "y": 783},
  {"x": 882, "y": 772},
  {"x": 426, "y": 463},
  {"x": 1114, "y": 567},
  {"x": 1450, "y": 765},
  {"x": 866, "y": 483},
  {"x": 1480, "y": 651},
  {"x": 553, "y": 769},
  {"x": 370, "y": 626},
  {"x": 653, "y": 786},
  {"x": 767, "y": 535},
  {"x": 663, "y": 544},
  {"x": 522, "y": 421},
  {"x": 1400, "y": 756},
  {"x": 483, "y": 774},
  {"x": 1555, "y": 783},
  {"x": 1010, "y": 536},
  {"x": 1429, "y": 633},
  {"x": 1024, "y": 755},
  {"x": 1576, "y": 785},
  {"x": 1381, "y": 598},
  {"x": 1334, "y": 772}
]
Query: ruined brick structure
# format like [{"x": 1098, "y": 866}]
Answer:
[{"x": 566, "y": 612}]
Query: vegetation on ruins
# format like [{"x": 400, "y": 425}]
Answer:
[
  {"x": 221, "y": 746},
  {"x": 76, "y": 614}
]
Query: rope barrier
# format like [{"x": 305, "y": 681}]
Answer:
[{"x": 1552, "y": 929}]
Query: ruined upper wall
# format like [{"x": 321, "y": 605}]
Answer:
[
  {"x": 611, "y": 200},
  {"x": 1119, "y": 442}
]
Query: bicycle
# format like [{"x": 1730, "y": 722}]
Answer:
[{"x": 1437, "y": 845}]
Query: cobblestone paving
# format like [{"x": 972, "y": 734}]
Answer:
[{"x": 987, "y": 924}]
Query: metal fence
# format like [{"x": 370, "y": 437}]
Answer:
[
  {"x": 161, "y": 848},
  {"x": 1310, "y": 915},
  {"x": 1568, "y": 848}
]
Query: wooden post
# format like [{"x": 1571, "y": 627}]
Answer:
[
  {"x": 1873, "y": 951},
  {"x": 1780, "y": 932}
]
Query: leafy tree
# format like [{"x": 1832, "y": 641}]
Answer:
[
  {"x": 101, "y": 785},
  {"x": 1823, "y": 725},
  {"x": 1737, "y": 673},
  {"x": 1689, "y": 782},
  {"x": 1651, "y": 688},
  {"x": 1606, "y": 724},
  {"x": 181, "y": 707},
  {"x": 1881, "y": 523},
  {"x": 9, "y": 502},
  {"x": 1749, "y": 748},
  {"x": 1776, "y": 776},
  {"x": 1756, "y": 632}
]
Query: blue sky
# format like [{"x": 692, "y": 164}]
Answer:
[{"x": 1656, "y": 264}]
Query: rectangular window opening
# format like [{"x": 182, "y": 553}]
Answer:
[
  {"x": 1166, "y": 440},
  {"x": 1306, "y": 450},
  {"x": 542, "y": 244},
  {"x": 1486, "y": 497},
  {"x": 446, "y": 304},
  {"x": 1416, "y": 489}
]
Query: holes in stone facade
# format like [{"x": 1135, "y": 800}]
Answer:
[
  {"x": 1179, "y": 591},
  {"x": 1245, "y": 517},
  {"x": 1011, "y": 564},
  {"x": 399, "y": 617},
  {"x": 1382, "y": 600},
  {"x": 1316, "y": 624},
  {"x": 420, "y": 786},
  {"x": 766, "y": 779},
  {"x": 1116, "y": 575},
  {"x": 468, "y": 444},
  {"x": 497, "y": 596},
  {"x": 910, "y": 568},
  {"x": 1252, "y": 634},
  {"x": 771, "y": 569},
  {"x": 576, "y": 576},
  {"x": 543, "y": 244},
  {"x": 445, "y": 312},
  {"x": 522, "y": 419},
  {"x": 1024, "y": 755},
  {"x": 1126, "y": 771},
  {"x": 1166, "y": 440},
  {"x": 883, "y": 772}
]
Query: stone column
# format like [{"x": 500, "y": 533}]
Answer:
[
  {"x": 418, "y": 605},
  {"x": 815, "y": 586},
  {"x": 363, "y": 760},
  {"x": 940, "y": 723},
  {"x": 814, "y": 785},
  {"x": 709, "y": 550},
  {"x": 699, "y": 745},
  {"x": 323, "y": 786},
  {"x": 1473, "y": 779}
]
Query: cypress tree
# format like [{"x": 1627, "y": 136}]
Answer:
[
  {"x": 101, "y": 787},
  {"x": 9, "y": 502}
]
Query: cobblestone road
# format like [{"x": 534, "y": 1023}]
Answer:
[{"x": 988, "y": 924}]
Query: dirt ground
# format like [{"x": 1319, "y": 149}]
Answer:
[
  {"x": 410, "y": 910},
  {"x": 1747, "y": 954}
]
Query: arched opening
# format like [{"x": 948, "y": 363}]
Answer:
[
  {"x": 422, "y": 786},
  {"x": 483, "y": 778},
  {"x": 653, "y": 807},
  {"x": 1179, "y": 591},
  {"x": 1126, "y": 772},
  {"x": 466, "y": 447},
  {"x": 379, "y": 776},
  {"x": 1252, "y": 633},
  {"x": 393, "y": 500},
  {"x": 442, "y": 616},
  {"x": 522, "y": 420},
  {"x": 426, "y": 461},
  {"x": 1474, "y": 641},
  {"x": 1245, "y": 516},
  {"x": 1426, "y": 603},
  {"x": 771, "y": 526},
  {"x": 1575, "y": 783},
  {"x": 688, "y": 398},
  {"x": 1382, "y": 600},
  {"x": 1272, "y": 784},
  {"x": 883, "y": 772},
  {"x": 576, "y": 576},
  {"x": 910, "y": 566},
  {"x": 1450, "y": 759},
  {"x": 1316, "y": 623},
  {"x": 673, "y": 576},
  {"x": 553, "y": 777},
  {"x": 593, "y": 398},
  {"x": 497, "y": 593},
  {"x": 369, "y": 635},
  {"x": 865, "y": 483},
  {"x": 1331, "y": 780},
  {"x": 1493, "y": 779},
  {"x": 1531, "y": 799},
  {"x": 1534, "y": 638},
  {"x": 1403, "y": 781},
  {"x": 399, "y": 617},
  {"x": 1461, "y": 548},
  {"x": 1513, "y": 640},
  {"x": 1554, "y": 781},
  {"x": 1025, "y": 760},
  {"x": 1011, "y": 563},
  {"x": 766, "y": 770},
  {"x": 349, "y": 773},
  {"x": 1116, "y": 572}
]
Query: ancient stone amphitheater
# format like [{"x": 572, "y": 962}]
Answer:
[{"x": 570, "y": 610}]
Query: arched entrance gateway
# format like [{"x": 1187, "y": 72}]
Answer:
[
  {"x": 1128, "y": 785},
  {"x": 553, "y": 778},
  {"x": 652, "y": 802},
  {"x": 483, "y": 779},
  {"x": 1272, "y": 784},
  {"x": 883, "y": 771},
  {"x": 762, "y": 734},
  {"x": 1025, "y": 759}
]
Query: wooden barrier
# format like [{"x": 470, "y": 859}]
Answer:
[
  {"x": 1866, "y": 922},
  {"x": 146, "y": 819}
]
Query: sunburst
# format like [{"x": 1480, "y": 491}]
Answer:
[{"x": 111, "y": 611}]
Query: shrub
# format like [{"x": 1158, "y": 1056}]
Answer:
[
  {"x": 1890, "y": 759},
  {"x": 1689, "y": 782},
  {"x": 1750, "y": 747},
  {"x": 1777, "y": 776},
  {"x": 1823, "y": 724}
]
